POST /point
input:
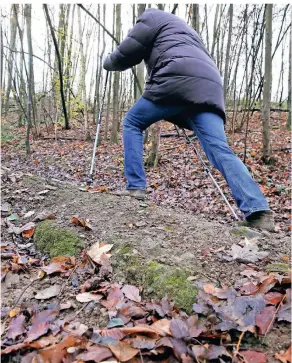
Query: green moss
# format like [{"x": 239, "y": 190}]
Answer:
[
  {"x": 277, "y": 267},
  {"x": 162, "y": 280},
  {"x": 157, "y": 279},
  {"x": 56, "y": 241},
  {"x": 239, "y": 231}
]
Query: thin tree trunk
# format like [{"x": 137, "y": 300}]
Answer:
[
  {"x": 12, "y": 43},
  {"x": 153, "y": 157},
  {"x": 289, "y": 120},
  {"x": 29, "y": 80},
  {"x": 267, "y": 85},
  {"x": 67, "y": 126},
  {"x": 227, "y": 59},
  {"x": 196, "y": 17},
  {"x": 207, "y": 27},
  {"x": 82, "y": 77},
  {"x": 215, "y": 30},
  {"x": 116, "y": 86}
]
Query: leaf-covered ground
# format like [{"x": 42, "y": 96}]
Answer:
[
  {"x": 179, "y": 181},
  {"x": 84, "y": 308},
  {"x": 89, "y": 307}
]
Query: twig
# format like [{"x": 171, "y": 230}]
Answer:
[
  {"x": 142, "y": 360},
  {"x": 19, "y": 297},
  {"x": 83, "y": 307},
  {"x": 274, "y": 317},
  {"x": 23, "y": 291},
  {"x": 67, "y": 281},
  {"x": 238, "y": 345}
]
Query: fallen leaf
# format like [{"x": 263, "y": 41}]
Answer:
[
  {"x": 43, "y": 216},
  {"x": 115, "y": 322},
  {"x": 13, "y": 217},
  {"x": 29, "y": 214},
  {"x": 178, "y": 329},
  {"x": 97, "y": 250},
  {"x": 143, "y": 329},
  {"x": 81, "y": 222},
  {"x": 96, "y": 354},
  {"x": 57, "y": 352},
  {"x": 16, "y": 327},
  {"x": 48, "y": 293},
  {"x": 123, "y": 351},
  {"x": 14, "y": 312},
  {"x": 115, "y": 333},
  {"x": 265, "y": 318},
  {"x": 209, "y": 288},
  {"x": 273, "y": 298},
  {"x": 162, "y": 327},
  {"x": 59, "y": 264},
  {"x": 13, "y": 348},
  {"x": 133, "y": 312},
  {"x": 247, "y": 254},
  {"x": 44, "y": 342},
  {"x": 252, "y": 356},
  {"x": 284, "y": 357},
  {"x": 132, "y": 293},
  {"x": 209, "y": 351},
  {"x": 87, "y": 297},
  {"x": 40, "y": 324},
  {"x": 27, "y": 230},
  {"x": 143, "y": 342},
  {"x": 65, "y": 306}
]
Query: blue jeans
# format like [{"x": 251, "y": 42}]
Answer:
[{"x": 209, "y": 129}]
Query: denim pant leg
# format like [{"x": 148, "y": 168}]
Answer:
[
  {"x": 143, "y": 114},
  {"x": 209, "y": 128}
]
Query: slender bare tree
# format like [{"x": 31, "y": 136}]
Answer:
[
  {"x": 267, "y": 85},
  {"x": 116, "y": 85},
  {"x": 289, "y": 120}
]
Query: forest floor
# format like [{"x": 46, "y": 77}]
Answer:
[{"x": 183, "y": 232}]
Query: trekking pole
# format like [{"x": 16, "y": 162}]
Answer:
[
  {"x": 98, "y": 123},
  {"x": 207, "y": 170}
]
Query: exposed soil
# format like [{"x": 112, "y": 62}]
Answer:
[{"x": 167, "y": 235}]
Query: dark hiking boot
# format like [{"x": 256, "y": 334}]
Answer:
[
  {"x": 262, "y": 220},
  {"x": 135, "y": 193}
]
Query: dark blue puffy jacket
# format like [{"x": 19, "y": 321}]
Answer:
[{"x": 180, "y": 68}]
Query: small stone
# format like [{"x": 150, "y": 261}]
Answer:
[{"x": 192, "y": 278}]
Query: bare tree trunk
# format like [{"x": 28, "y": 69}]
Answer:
[
  {"x": 215, "y": 30},
  {"x": 1, "y": 64},
  {"x": 227, "y": 59},
  {"x": 116, "y": 86},
  {"x": 161, "y": 6},
  {"x": 207, "y": 27},
  {"x": 12, "y": 43},
  {"x": 29, "y": 80},
  {"x": 195, "y": 18},
  {"x": 153, "y": 157},
  {"x": 69, "y": 64},
  {"x": 83, "y": 85},
  {"x": 267, "y": 85},
  {"x": 67, "y": 126},
  {"x": 289, "y": 120}
]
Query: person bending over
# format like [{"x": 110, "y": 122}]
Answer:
[{"x": 184, "y": 87}]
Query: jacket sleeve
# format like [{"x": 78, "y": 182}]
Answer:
[{"x": 134, "y": 48}]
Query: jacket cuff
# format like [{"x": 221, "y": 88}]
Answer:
[{"x": 107, "y": 64}]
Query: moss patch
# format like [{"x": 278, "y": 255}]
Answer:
[
  {"x": 277, "y": 267},
  {"x": 56, "y": 241},
  {"x": 157, "y": 279}
]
